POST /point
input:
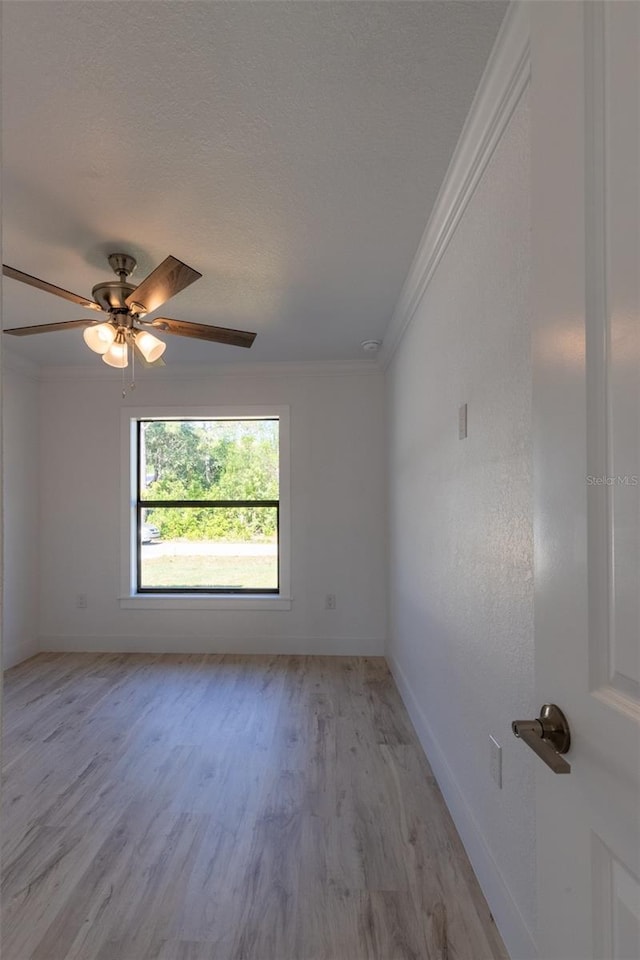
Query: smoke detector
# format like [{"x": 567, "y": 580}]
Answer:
[{"x": 370, "y": 346}]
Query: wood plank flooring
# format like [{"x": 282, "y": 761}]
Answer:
[{"x": 226, "y": 808}]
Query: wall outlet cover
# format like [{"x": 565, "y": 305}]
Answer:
[{"x": 462, "y": 422}]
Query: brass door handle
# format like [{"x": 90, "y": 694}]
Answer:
[{"x": 548, "y": 736}]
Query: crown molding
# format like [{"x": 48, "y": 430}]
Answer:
[
  {"x": 176, "y": 372},
  {"x": 503, "y": 82}
]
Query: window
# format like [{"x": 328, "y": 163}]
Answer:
[{"x": 206, "y": 516}]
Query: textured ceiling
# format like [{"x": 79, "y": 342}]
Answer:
[{"x": 291, "y": 152}]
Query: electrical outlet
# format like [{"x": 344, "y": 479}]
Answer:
[
  {"x": 81, "y": 601},
  {"x": 462, "y": 422},
  {"x": 330, "y": 601},
  {"x": 495, "y": 762}
]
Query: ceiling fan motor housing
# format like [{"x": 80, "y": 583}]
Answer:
[{"x": 112, "y": 294}]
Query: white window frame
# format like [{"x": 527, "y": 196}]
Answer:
[{"x": 129, "y": 598}]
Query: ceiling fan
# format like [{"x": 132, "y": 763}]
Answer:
[{"x": 126, "y": 307}]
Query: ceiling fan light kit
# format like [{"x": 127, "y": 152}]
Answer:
[
  {"x": 99, "y": 337},
  {"x": 149, "y": 346},
  {"x": 111, "y": 339},
  {"x": 118, "y": 354}
]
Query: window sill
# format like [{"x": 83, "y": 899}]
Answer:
[{"x": 196, "y": 601}]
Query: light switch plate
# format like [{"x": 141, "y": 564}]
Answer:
[{"x": 462, "y": 422}]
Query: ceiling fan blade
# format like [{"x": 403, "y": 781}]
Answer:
[
  {"x": 143, "y": 360},
  {"x": 202, "y": 331},
  {"x": 48, "y": 327},
  {"x": 169, "y": 278},
  {"x": 49, "y": 288}
]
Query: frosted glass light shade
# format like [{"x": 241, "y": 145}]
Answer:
[
  {"x": 100, "y": 337},
  {"x": 149, "y": 346},
  {"x": 117, "y": 355}
]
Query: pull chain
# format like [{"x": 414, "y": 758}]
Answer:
[
  {"x": 133, "y": 362},
  {"x": 129, "y": 347}
]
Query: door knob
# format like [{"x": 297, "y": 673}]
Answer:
[{"x": 548, "y": 736}]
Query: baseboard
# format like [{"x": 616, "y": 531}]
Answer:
[
  {"x": 304, "y": 646},
  {"x": 517, "y": 937}
]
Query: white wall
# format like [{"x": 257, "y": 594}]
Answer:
[
  {"x": 21, "y": 513},
  {"x": 338, "y": 515},
  {"x": 461, "y": 593}
]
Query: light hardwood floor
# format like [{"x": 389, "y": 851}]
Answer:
[{"x": 226, "y": 808}]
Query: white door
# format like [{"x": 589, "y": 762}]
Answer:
[{"x": 586, "y": 401}]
